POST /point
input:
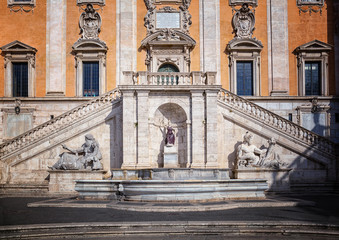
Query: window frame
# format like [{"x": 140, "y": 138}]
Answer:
[
  {"x": 17, "y": 51},
  {"x": 314, "y": 51},
  {"x": 12, "y": 3},
  {"x": 89, "y": 51},
  {"x": 245, "y": 50}
]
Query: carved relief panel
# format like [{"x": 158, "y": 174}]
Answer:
[{"x": 168, "y": 39}]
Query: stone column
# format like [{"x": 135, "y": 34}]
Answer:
[
  {"x": 198, "y": 129},
  {"x": 211, "y": 129},
  {"x": 278, "y": 62},
  {"x": 143, "y": 129},
  {"x": 129, "y": 130},
  {"x": 126, "y": 46},
  {"x": 56, "y": 48},
  {"x": 210, "y": 37}
]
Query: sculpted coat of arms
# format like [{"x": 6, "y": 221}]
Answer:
[{"x": 243, "y": 22}]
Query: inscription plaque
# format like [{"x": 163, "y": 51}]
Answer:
[{"x": 168, "y": 20}]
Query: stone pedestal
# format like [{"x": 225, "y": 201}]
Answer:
[
  {"x": 277, "y": 179},
  {"x": 63, "y": 181},
  {"x": 171, "y": 157}
]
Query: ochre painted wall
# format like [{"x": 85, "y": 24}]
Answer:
[
  {"x": 226, "y": 35},
  {"x": 194, "y": 33},
  {"x": 303, "y": 28},
  {"x": 28, "y": 28},
  {"x": 107, "y": 34}
]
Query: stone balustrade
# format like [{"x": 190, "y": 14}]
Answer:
[
  {"x": 276, "y": 121},
  {"x": 169, "y": 78},
  {"x": 58, "y": 123}
]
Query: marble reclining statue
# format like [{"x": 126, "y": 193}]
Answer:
[{"x": 86, "y": 157}]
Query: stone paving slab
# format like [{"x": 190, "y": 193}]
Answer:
[{"x": 168, "y": 206}]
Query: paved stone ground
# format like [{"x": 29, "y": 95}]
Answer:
[{"x": 316, "y": 209}]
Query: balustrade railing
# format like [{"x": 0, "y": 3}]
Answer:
[
  {"x": 169, "y": 78},
  {"x": 58, "y": 123},
  {"x": 276, "y": 121}
]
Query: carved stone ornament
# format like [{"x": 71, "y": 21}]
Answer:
[
  {"x": 248, "y": 155},
  {"x": 21, "y": 6},
  {"x": 310, "y": 6},
  {"x": 243, "y": 22},
  {"x": 88, "y": 156},
  {"x": 168, "y": 35},
  {"x": 182, "y": 17},
  {"x": 253, "y": 3},
  {"x": 90, "y": 23}
]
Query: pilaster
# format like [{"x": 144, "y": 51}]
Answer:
[
  {"x": 211, "y": 129},
  {"x": 278, "y": 47},
  {"x": 209, "y": 11},
  {"x": 56, "y": 48},
  {"x": 143, "y": 129},
  {"x": 129, "y": 128},
  {"x": 198, "y": 129},
  {"x": 126, "y": 47}
]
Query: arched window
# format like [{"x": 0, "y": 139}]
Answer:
[
  {"x": 168, "y": 68},
  {"x": 168, "y": 79}
]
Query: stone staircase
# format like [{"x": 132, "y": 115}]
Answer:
[
  {"x": 22, "y": 142},
  {"x": 296, "y": 133}
]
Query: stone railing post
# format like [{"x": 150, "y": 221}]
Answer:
[
  {"x": 211, "y": 78},
  {"x": 128, "y": 77},
  {"x": 196, "y": 78},
  {"x": 143, "y": 78}
]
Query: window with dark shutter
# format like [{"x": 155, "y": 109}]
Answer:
[
  {"x": 312, "y": 78},
  {"x": 20, "y": 79},
  {"x": 91, "y": 79},
  {"x": 245, "y": 78}
]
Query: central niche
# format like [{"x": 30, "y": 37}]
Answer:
[{"x": 169, "y": 114}]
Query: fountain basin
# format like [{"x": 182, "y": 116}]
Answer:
[{"x": 172, "y": 190}]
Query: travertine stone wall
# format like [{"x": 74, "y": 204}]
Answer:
[
  {"x": 30, "y": 165},
  {"x": 308, "y": 165}
]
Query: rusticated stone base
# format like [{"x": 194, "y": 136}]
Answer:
[
  {"x": 63, "y": 181},
  {"x": 277, "y": 179}
]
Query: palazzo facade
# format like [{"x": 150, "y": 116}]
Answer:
[{"x": 123, "y": 70}]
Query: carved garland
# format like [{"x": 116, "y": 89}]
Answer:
[{"x": 310, "y": 6}]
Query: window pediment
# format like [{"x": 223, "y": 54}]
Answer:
[
  {"x": 249, "y": 44},
  {"x": 86, "y": 45},
  {"x": 315, "y": 46},
  {"x": 168, "y": 37},
  {"x": 17, "y": 46}
]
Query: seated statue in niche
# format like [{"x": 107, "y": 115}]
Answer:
[
  {"x": 247, "y": 153},
  {"x": 89, "y": 157}
]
